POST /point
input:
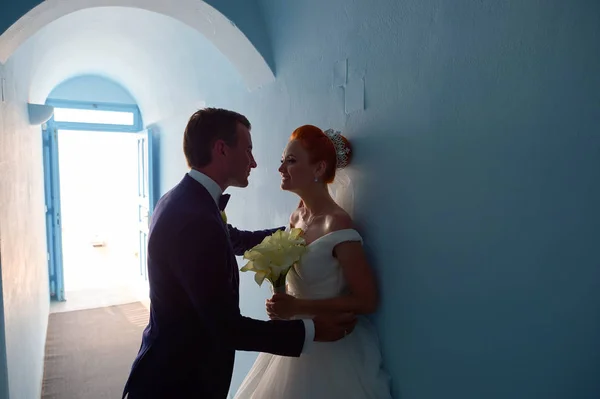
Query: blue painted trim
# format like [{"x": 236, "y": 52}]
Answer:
[
  {"x": 46, "y": 156},
  {"x": 98, "y": 127},
  {"x": 60, "y": 283},
  {"x": 98, "y": 106},
  {"x": 151, "y": 193},
  {"x": 145, "y": 194},
  {"x": 53, "y": 212},
  {"x": 39, "y": 113}
]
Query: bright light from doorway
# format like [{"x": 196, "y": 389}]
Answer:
[{"x": 93, "y": 116}]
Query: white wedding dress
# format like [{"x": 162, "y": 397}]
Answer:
[{"x": 349, "y": 368}]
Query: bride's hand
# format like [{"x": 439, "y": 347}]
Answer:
[{"x": 282, "y": 306}]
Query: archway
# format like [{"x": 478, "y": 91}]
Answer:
[
  {"x": 40, "y": 51},
  {"x": 207, "y": 20}
]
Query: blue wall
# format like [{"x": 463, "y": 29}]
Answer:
[
  {"x": 12, "y": 11},
  {"x": 91, "y": 88},
  {"x": 476, "y": 173},
  {"x": 477, "y": 168}
]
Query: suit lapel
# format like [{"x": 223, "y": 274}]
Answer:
[{"x": 207, "y": 201}]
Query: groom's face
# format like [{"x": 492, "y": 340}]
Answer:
[{"x": 241, "y": 161}]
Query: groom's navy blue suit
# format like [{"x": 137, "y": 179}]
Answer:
[{"x": 195, "y": 326}]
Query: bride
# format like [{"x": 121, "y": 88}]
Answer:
[{"x": 332, "y": 277}]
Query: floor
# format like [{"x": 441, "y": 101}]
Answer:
[
  {"x": 100, "y": 276},
  {"x": 102, "y": 297},
  {"x": 89, "y": 353}
]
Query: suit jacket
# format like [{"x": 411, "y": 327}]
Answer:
[{"x": 195, "y": 326}]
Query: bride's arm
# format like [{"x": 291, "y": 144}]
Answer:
[{"x": 362, "y": 296}]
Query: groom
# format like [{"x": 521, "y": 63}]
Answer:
[{"x": 195, "y": 325}]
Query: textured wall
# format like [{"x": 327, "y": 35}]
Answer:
[
  {"x": 477, "y": 180},
  {"x": 23, "y": 244}
]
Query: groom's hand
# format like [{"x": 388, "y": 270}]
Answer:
[{"x": 333, "y": 327}]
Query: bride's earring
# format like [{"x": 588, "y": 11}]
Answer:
[{"x": 316, "y": 179}]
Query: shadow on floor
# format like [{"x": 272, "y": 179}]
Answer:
[{"x": 89, "y": 352}]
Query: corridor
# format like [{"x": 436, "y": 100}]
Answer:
[{"x": 89, "y": 352}]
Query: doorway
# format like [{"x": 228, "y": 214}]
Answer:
[{"x": 98, "y": 174}]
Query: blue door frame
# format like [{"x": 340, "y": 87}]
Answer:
[
  {"x": 145, "y": 194},
  {"x": 52, "y": 179}
]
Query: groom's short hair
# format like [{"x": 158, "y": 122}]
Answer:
[{"x": 204, "y": 128}]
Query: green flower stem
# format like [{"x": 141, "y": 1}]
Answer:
[{"x": 279, "y": 284}]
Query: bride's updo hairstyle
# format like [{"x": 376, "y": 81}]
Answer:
[{"x": 329, "y": 146}]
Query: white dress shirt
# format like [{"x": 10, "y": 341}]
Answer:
[{"x": 215, "y": 191}]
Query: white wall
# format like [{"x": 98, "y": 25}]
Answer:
[
  {"x": 167, "y": 67},
  {"x": 23, "y": 245}
]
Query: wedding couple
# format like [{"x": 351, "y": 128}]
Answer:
[{"x": 317, "y": 343}]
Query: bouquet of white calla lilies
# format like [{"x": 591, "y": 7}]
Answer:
[{"x": 274, "y": 256}]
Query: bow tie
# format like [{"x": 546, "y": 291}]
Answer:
[{"x": 223, "y": 200}]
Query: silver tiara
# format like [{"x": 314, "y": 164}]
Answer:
[{"x": 341, "y": 150}]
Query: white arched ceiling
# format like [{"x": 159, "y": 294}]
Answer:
[
  {"x": 163, "y": 63},
  {"x": 197, "y": 14}
]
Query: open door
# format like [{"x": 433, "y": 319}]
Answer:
[
  {"x": 53, "y": 213},
  {"x": 89, "y": 117},
  {"x": 145, "y": 195}
]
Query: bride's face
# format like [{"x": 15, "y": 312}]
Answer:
[{"x": 297, "y": 172}]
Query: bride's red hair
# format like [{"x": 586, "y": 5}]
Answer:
[{"x": 320, "y": 148}]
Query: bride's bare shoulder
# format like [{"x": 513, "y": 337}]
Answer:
[{"x": 339, "y": 220}]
